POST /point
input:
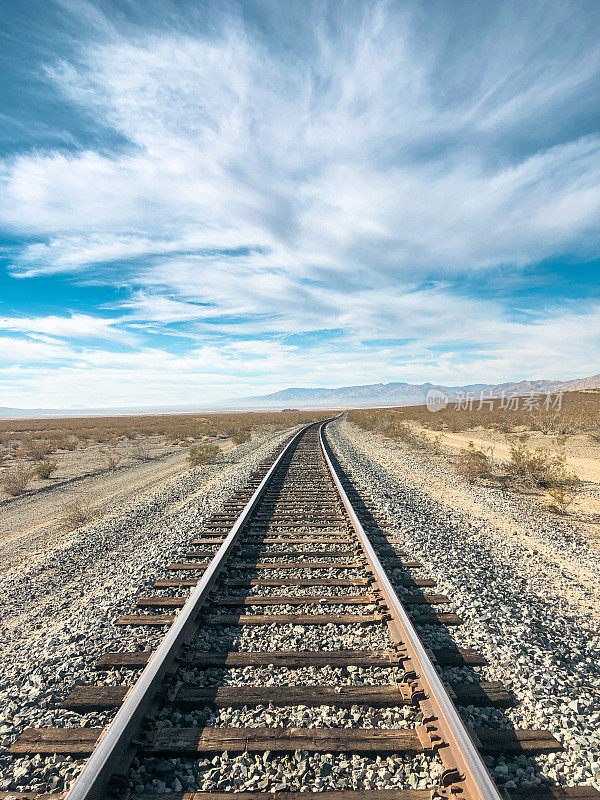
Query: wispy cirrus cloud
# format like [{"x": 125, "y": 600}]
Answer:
[
  {"x": 341, "y": 182},
  {"x": 75, "y": 326}
]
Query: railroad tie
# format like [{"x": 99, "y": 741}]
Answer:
[
  {"x": 292, "y": 600},
  {"x": 190, "y": 697},
  {"x": 182, "y": 742},
  {"x": 293, "y": 658}
]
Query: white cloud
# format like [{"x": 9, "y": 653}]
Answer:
[
  {"x": 477, "y": 347},
  {"x": 235, "y": 145},
  {"x": 76, "y": 326}
]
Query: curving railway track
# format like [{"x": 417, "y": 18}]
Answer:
[{"x": 297, "y": 547}]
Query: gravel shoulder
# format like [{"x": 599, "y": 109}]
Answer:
[{"x": 524, "y": 582}]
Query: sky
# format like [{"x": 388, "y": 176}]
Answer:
[{"x": 209, "y": 200}]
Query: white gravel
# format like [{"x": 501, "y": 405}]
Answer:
[
  {"x": 295, "y": 771},
  {"x": 293, "y": 637}
]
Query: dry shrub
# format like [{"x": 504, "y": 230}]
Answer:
[
  {"x": 241, "y": 436},
  {"x": 140, "y": 449},
  {"x": 45, "y": 468},
  {"x": 173, "y": 427},
  {"x": 204, "y": 454},
  {"x": 113, "y": 459},
  {"x": 77, "y": 515},
  {"x": 474, "y": 464},
  {"x": 435, "y": 445},
  {"x": 562, "y": 496},
  {"x": 579, "y": 413},
  {"x": 532, "y": 467},
  {"x": 542, "y": 469},
  {"x": 16, "y": 480},
  {"x": 66, "y": 443},
  {"x": 38, "y": 450}
]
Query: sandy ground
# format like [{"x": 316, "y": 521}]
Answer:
[
  {"x": 29, "y": 522},
  {"x": 91, "y": 460},
  {"x": 582, "y": 457}
]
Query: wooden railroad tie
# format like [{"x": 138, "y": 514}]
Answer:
[
  {"x": 247, "y": 565},
  {"x": 265, "y": 553},
  {"x": 294, "y": 658},
  {"x": 291, "y": 600},
  {"x": 539, "y": 793},
  {"x": 287, "y": 619},
  {"x": 190, "y": 697},
  {"x": 190, "y": 742}
]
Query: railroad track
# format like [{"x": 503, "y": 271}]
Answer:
[{"x": 296, "y": 547}]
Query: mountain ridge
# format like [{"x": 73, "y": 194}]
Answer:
[
  {"x": 398, "y": 393},
  {"x": 403, "y": 393}
]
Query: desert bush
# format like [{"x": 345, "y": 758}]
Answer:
[
  {"x": 204, "y": 454},
  {"x": 76, "y": 515},
  {"x": 543, "y": 469},
  {"x": 562, "y": 496},
  {"x": 38, "y": 450},
  {"x": 45, "y": 468},
  {"x": 473, "y": 464},
  {"x": 435, "y": 445},
  {"x": 113, "y": 459},
  {"x": 140, "y": 449},
  {"x": 16, "y": 479},
  {"x": 532, "y": 467},
  {"x": 241, "y": 436}
]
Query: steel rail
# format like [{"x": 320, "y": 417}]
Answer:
[
  {"x": 447, "y": 733},
  {"x": 116, "y": 739}
]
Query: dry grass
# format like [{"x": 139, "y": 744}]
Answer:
[
  {"x": 77, "y": 515},
  {"x": 16, "y": 479},
  {"x": 85, "y": 445},
  {"x": 45, "y": 468},
  {"x": 44, "y": 436},
  {"x": 579, "y": 413},
  {"x": 242, "y": 436},
  {"x": 112, "y": 458},
  {"x": 204, "y": 454},
  {"x": 140, "y": 449},
  {"x": 474, "y": 464}
]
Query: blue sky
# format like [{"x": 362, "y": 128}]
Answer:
[{"x": 207, "y": 200}]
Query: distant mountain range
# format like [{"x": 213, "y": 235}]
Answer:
[
  {"x": 371, "y": 395},
  {"x": 401, "y": 394}
]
